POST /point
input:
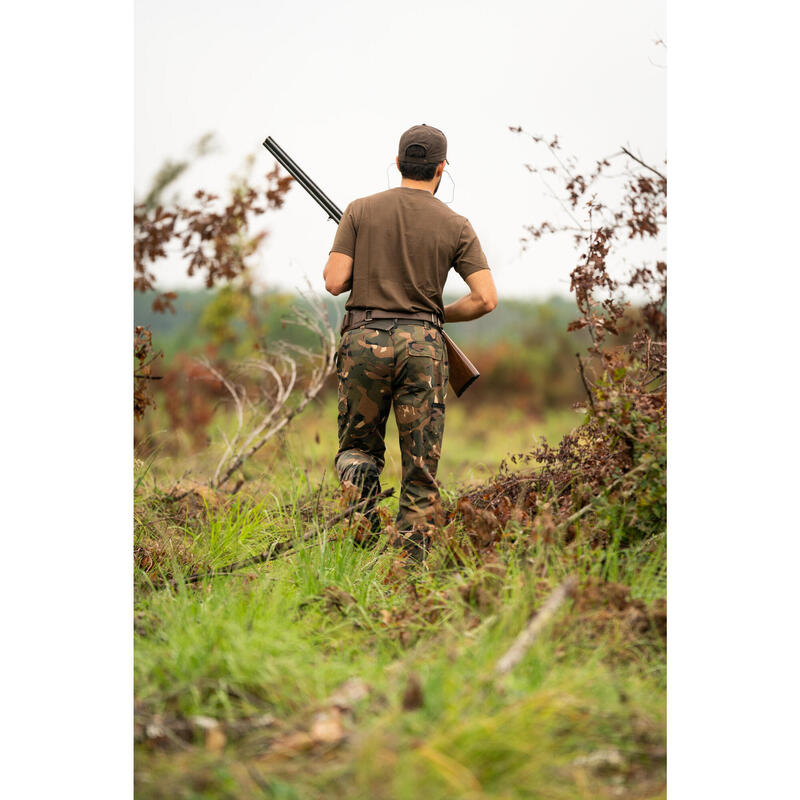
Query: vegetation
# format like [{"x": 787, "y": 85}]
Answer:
[
  {"x": 276, "y": 657},
  {"x": 584, "y": 708},
  {"x": 524, "y": 351}
]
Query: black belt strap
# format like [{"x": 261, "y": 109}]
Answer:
[{"x": 361, "y": 316}]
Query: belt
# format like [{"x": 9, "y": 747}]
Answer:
[{"x": 357, "y": 317}]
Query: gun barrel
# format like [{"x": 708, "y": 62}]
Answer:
[{"x": 285, "y": 160}]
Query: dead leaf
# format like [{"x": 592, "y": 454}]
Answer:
[
  {"x": 481, "y": 524},
  {"x": 602, "y": 761},
  {"x": 412, "y": 696},
  {"x": 215, "y": 739},
  {"x": 156, "y": 731},
  {"x": 519, "y": 515},
  {"x": 327, "y": 728},
  {"x": 348, "y": 694},
  {"x": 214, "y": 734},
  {"x": 351, "y": 494},
  {"x": 291, "y": 745},
  {"x": 336, "y": 598}
]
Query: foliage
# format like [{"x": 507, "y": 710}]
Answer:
[
  {"x": 144, "y": 356},
  {"x": 216, "y": 239},
  {"x": 622, "y": 442},
  {"x": 227, "y": 325},
  {"x": 525, "y": 354},
  {"x": 191, "y": 395},
  {"x": 213, "y": 235}
]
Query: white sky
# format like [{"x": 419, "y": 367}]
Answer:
[{"x": 336, "y": 84}]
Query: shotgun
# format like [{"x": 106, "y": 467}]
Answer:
[{"x": 463, "y": 372}]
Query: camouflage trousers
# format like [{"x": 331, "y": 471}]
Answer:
[{"x": 404, "y": 365}]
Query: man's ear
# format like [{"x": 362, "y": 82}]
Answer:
[
  {"x": 397, "y": 161},
  {"x": 440, "y": 170}
]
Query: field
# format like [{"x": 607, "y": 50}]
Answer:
[
  {"x": 334, "y": 670},
  {"x": 279, "y": 654}
]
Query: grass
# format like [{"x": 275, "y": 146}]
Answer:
[
  {"x": 280, "y": 638},
  {"x": 474, "y": 444}
]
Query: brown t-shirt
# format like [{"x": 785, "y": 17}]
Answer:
[{"x": 403, "y": 243}]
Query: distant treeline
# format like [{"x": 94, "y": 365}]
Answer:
[
  {"x": 523, "y": 349},
  {"x": 199, "y": 315}
]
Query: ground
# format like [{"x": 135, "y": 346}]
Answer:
[{"x": 333, "y": 670}]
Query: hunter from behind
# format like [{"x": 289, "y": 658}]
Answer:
[{"x": 393, "y": 251}]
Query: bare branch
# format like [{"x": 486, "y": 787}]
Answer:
[
  {"x": 585, "y": 383},
  {"x": 646, "y": 166},
  {"x": 270, "y": 413},
  {"x": 530, "y": 633},
  {"x": 234, "y": 393}
]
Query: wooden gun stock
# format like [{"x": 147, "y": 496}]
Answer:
[{"x": 463, "y": 372}]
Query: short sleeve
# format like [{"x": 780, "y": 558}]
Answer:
[
  {"x": 469, "y": 255},
  {"x": 345, "y": 239}
]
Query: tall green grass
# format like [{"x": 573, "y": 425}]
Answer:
[{"x": 269, "y": 639}]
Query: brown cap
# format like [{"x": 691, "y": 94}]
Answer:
[{"x": 426, "y": 136}]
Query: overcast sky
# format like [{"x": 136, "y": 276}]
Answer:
[{"x": 336, "y": 84}]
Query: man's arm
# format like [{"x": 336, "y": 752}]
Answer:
[
  {"x": 482, "y": 298},
  {"x": 338, "y": 273}
]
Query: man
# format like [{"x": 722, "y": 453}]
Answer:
[{"x": 393, "y": 251}]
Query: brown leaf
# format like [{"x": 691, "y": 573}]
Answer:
[
  {"x": 291, "y": 745},
  {"x": 350, "y": 494},
  {"x": 214, "y": 734},
  {"x": 336, "y": 598},
  {"x": 412, "y": 696},
  {"x": 327, "y": 728},
  {"x": 215, "y": 739},
  {"x": 349, "y": 693}
]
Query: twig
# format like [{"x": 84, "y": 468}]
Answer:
[
  {"x": 259, "y": 780},
  {"x": 157, "y": 726},
  {"x": 646, "y": 166},
  {"x": 529, "y": 634},
  {"x": 583, "y": 378},
  {"x": 319, "y": 492},
  {"x": 562, "y": 204},
  {"x": 276, "y": 549},
  {"x": 275, "y": 413},
  {"x": 613, "y": 485}
]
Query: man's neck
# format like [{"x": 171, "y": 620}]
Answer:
[{"x": 427, "y": 186}]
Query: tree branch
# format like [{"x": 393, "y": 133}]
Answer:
[
  {"x": 530, "y": 633},
  {"x": 585, "y": 383},
  {"x": 646, "y": 166},
  {"x": 273, "y": 412}
]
